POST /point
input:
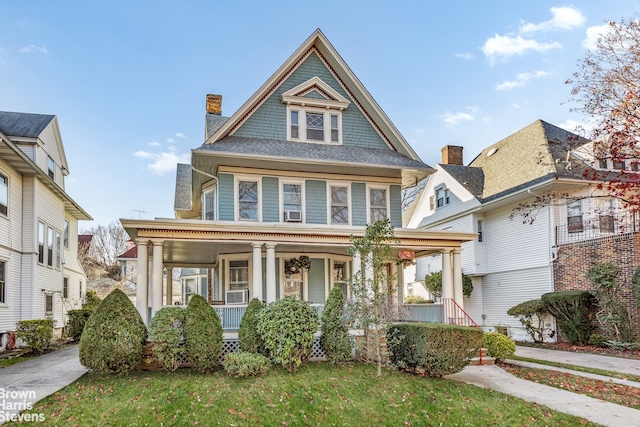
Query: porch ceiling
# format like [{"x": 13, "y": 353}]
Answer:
[{"x": 198, "y": 243}]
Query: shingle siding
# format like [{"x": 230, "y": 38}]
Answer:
[
  {"x": 270, "y": 200},
  {"x": 226, "y": 203},
  {"x": 316, "y": 202},
  {"x": 395, "y": 198},
  {"x": 317, "y": 281},
  {"x": 270, "y": 121},
  {"x": 358, "y": 204}
]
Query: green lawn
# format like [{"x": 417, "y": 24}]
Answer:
[
  {"x": 317, "y": 394},
  {"x": 9, "y": 362}
]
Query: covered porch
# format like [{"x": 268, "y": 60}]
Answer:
[{"x": 253, "y": 260}]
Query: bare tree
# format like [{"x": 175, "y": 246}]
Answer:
[{"x": 108, "y": 242}]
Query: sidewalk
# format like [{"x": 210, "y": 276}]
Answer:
[
  {"x": 28, "y": 382},
  {"x": 597, "y": 411}
]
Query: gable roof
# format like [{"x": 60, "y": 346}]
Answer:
[
  {"x": 319, "y": 44},
  {"x": 471, "y": 178},
  {"x": 23, "y": 124}
]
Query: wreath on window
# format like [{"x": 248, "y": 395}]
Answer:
[{"x": 294, "y": 265}]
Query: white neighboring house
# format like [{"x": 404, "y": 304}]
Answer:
[
  {"x": 512, "y": 261},
  {"x": 40, "y": 274}
]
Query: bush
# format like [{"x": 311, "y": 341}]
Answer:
[
  {"x": 165, "y": 331},
  {"x": 248, "y": 335},
  {"x": 498, "y": 346},
  {"x": 598, "y": 340},
  {"x": 526, "y": 312},
  {"x": 573, "y": 312},
  {"x": 36, "y": 333},
  {"x": 202, "y": 335},
  {"x": 76, "y": 321},
  {"x": 335, "y": 335},
  {"x": 287, "y": 327},
  {"x": 433, "y": 282},
  {"x": 245, "y": 364},
  {"x": 415, "y": 299},
  {"x": 432, "y": 348},
  {"x": 114, "y": 336},
  {"x": 91, "y": 301}
]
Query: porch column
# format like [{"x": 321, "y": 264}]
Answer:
[
  {"x": 447, "y": 279},
  {"x": 271, "y": 272},
  {"x": 169, "y": 296},
  {"x": 156, "y": 276},
  {"x": 457, "y": 277},
  {"x": 142, "y": 286},
  {"x": 257, "y": 270}
]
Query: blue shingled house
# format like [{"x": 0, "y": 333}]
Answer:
[{"x": 283, "y": 183}]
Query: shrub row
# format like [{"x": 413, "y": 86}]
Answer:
[{"x": 36, "y": 333}]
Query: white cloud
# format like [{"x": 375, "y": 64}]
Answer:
[
  {"x": 32, "y": 48},
  {"x": 467, "y": 56},
  {"x": 452, "y": 119},
  {"x": 170, "y": 140},
  {"x": 143, "y": 154},
  {"x": 578, "y": 127},
  {"x": 506, "y": 46},
  {"x": 564, "y": 18},
  {"x": 154, "y": 144},
  {"x": 593, "y": 33},
  {"x": 515, "y": 105},
  {"x": 486, "y": 120},
  {"x": 180, "y": 135},
  {"x": 521, "y": 80},
  {"x": 163, "y": 162}
]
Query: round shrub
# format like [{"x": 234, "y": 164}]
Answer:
[
  {"x": 248, "y": 336},
  {"x": 114, "y": 336},
  {"x": 335, "y": 336},
  {"x": 76, "y": 321},
  {"x": 498, "y": 346},
  {"x": 287, "y": 327},
  {"x": 165, "y": 331},
  {"x": 245, "y": 364},
  {"x": 36, "y": 333},
  {"x": 202, "y": 335}
]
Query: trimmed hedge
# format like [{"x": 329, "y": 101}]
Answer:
[
  {"x": 36, "y": 333},
  {"x": 526, "y": 312},
  {"x": 498, "y": 346},
  {"x": 165, "y": 331},
  {"x": 573, "y": 313},
  {"x": 432, "y": 348},
  {"x": 76, "y": 321},
  {"x": 287, "y": 327},
  {"x": 248, "y": 330},
  {"x": 245, "y": 364},
  {"x": 335, "y": 335},
  {"x": 202, "y": 335},
  {"x": 114, "y": 336}
]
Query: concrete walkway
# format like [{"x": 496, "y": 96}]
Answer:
[
  {"x": 598, "y": 411},
  {"x": 33, "y": 380}
]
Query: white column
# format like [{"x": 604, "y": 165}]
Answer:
[
  {"x": 169, "y": 296},
  {"x": 457, "y": 278},
  {"x": 142, "y": 285},
  {"x": 156, "y": 276},
  {"x": 447, "y": 280},
  {"x": 257, "y": 270},
  {"x": 271, "y": 272}
]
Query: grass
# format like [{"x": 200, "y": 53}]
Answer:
[
  {"x": 603, "y": 390},
  {"x": 8, "y": 362},
  {"x": 318, "y": 394},
  {"x": 604, "y": 372}
]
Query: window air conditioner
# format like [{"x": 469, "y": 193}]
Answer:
[
  {"x": 238, "y": 297},
  {"x": 292, "y": 216}
]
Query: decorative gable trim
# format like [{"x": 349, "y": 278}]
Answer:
[{"x": 332, "y": 99}]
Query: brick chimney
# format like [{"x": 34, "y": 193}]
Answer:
[
  {"x": 452, "y": 155},
  {"x": 214, "y": 104}
]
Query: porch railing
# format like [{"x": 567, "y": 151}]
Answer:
[
  {"x": 597, "y": 227},
  {"x": 231, "y": 315}
]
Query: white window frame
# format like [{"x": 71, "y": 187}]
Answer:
[
  {"x": 329, "y": 205},
  {"x": 65, "y": 287},
  {"x": 51, "y": 171},
  {"x": 3, "y": 282},
  {"x": 576, "y": 228},
  {"x": 57, "y": 249},
  {"x": 4, "y": 188},
  {"x": 304, "y": 274},
  {"x": 446, "y": 196},
  {"x": 236, "y": 195},
  {"x": 227, "y": 274},
  {"x": 301, "y": 183},
  {"x": 369, "y": 207},
  {"x": 50, "y": 246},
  {"x": 347, "y": 261},
  {"x": 41, "y": 239},
  {"x": 65, "y": 234},
  {"x": 302, "y": 124},
  {"x": 205, "y": 192}
]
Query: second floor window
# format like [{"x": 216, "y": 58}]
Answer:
[
  {"x": 51, "y": 168},
  {"x": 291, "y": 198},
  {"x": 65, "y": 233},
  {"x": 4, "y": 194},
  {"x": 605, "y": 215},
  {"x": 248, "y": 200},
  {"x": 208, "y": 205},
  {"x": 57, "y": 249},
  {"x": 574, "y": 216},
  {"x": 50, "y": 246},
  {"x": 339, "y": 205},
  {"x": 41, "y": 242},
  {"x": 378, "y": 204},
  {"x": 480, "y": 236}
]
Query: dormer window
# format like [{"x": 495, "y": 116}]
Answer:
[
  {"x": 442, "y": 197},
  {"x": 314, "y": 113}
]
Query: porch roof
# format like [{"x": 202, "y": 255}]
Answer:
[{"x": 197, "y": 243}]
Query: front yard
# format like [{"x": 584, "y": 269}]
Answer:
[{"x": 317, "y": 394}]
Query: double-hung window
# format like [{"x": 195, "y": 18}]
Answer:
[
  {"x": 339, "y": 195},
  {"x": 340, "y": 278},
  {"x": 3, "y": 287},
  {"x": 238, "y": 282},
  {"x": 51, "y": 168},
  {"x": 442, "y": 197},
  {"x": 4, "y": 194},
  {"x": 65, "y": 287},
  {"x": 605, "y": 215},
  {"x": 65, "y": 234},
  {"x": 209, "y": 204},
  {"x": 57, "y": 249},
  {"x": 292, "y": 201},
  {"x": 377, "y": 204},
  {"x": 248, "y": 200},
  {"x": 480, "y": 231},
  {"x": 574, "y": 216},
  {"x": 50, "y": 246},
  {"x": 40, "y": 242}
]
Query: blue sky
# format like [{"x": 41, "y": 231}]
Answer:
[{"x": 128, "y": 79}]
